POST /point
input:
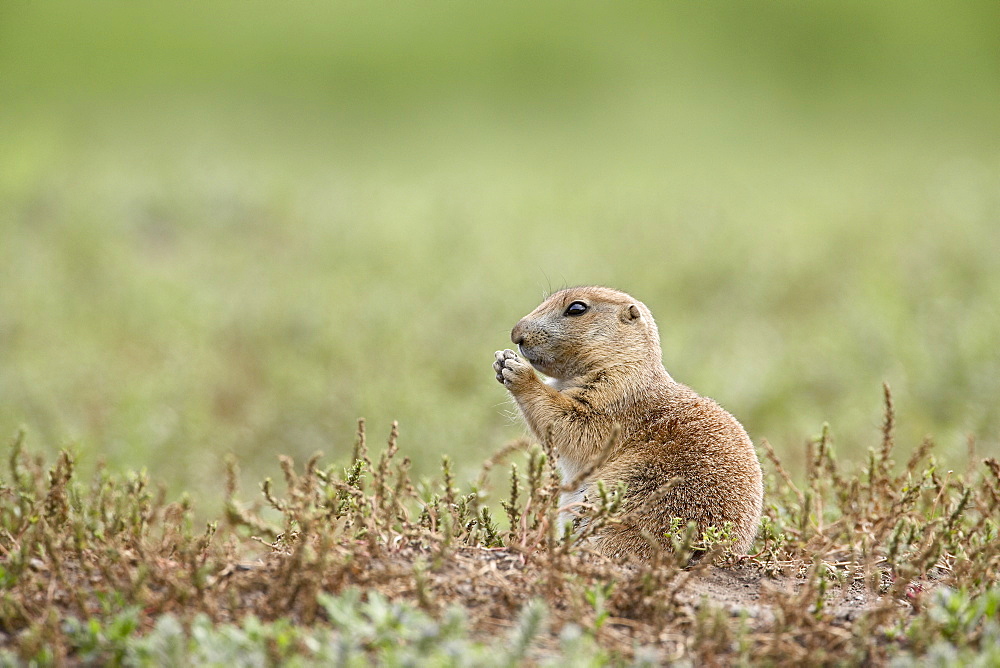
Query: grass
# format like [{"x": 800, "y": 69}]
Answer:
[
  {"x": 225, "y": 239},
  {"x": 867, "y": 563}
]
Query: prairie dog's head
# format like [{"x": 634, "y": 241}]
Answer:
[{"x": 580, "y": 330}]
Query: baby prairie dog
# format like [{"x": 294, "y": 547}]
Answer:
[{"x": 600, "y": 350}]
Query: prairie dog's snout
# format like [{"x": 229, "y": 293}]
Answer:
[{"x": 517, "y": 334}]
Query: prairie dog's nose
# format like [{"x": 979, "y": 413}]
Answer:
[{"x": 517, "y": 334}]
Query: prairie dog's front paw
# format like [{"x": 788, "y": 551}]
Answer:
[{"x": 510, "y": 368}]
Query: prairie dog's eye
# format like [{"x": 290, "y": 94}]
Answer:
[{"x": 576, "y": 308}]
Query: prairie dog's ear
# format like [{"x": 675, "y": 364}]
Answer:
[{"x": 631, "y": 313}]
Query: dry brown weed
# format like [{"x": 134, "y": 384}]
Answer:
[{"x": 842, "y": 563}]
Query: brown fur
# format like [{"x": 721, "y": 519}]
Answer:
[{"x": 606, "y": 374}]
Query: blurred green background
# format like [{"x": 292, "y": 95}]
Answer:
[{"x": 237, "y": 227}]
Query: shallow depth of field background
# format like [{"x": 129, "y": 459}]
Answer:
[{"x": 230, "y": 227}]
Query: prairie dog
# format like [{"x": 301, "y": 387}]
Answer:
[{"x": 600, "y": 349}]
